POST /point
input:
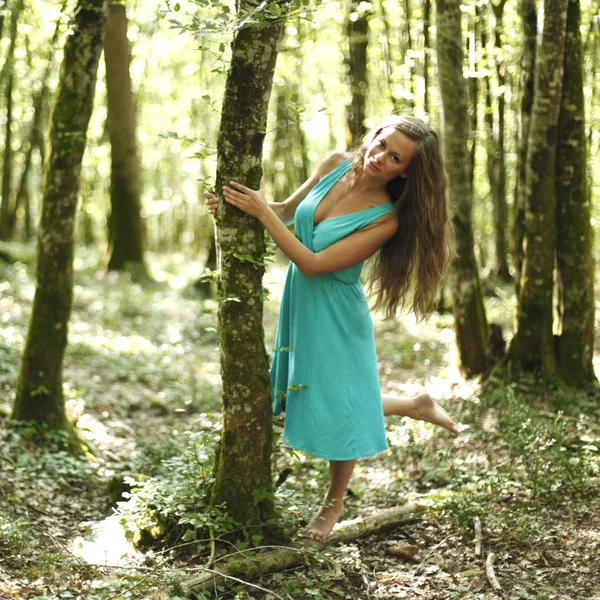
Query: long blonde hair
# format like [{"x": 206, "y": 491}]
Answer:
[{"x": 420, "y": 251}]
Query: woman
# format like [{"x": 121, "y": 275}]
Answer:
[{"x": 387, "y": 200}]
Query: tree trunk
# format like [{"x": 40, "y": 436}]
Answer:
[
  {"x": 39, "y": 389},
  {"x": 426, "y": 50},
  {"x": 7, "y": 162},
  {"x": 527, "y": 13},
  {"x": 408, "y": 59},
  {"x": 495, "y": 147},
  {"x": 126, "y": 230},
  {"x": 533, "y": 344},
  {"x": 243, "y": 464},
  {"x": 357, "y": 27},
  {"x": 573, "y": 212},
  {"x": 467, "y": 299},
  {"x": 387, "y": 53},
  {"x": 34, "y": 139}
]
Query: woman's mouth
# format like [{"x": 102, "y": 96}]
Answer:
[{"x": 371, "y": 163}]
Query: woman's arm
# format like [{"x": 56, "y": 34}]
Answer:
[
  {"x": 343, "y": 254},
  {"x": 286, "y": 210}
]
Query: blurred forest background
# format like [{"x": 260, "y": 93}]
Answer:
[{"x": 141, "y": 378}]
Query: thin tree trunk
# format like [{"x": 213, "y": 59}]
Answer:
[
  {"x": 126, "y": 225},
  {"x": 408, "y": 57},
  {"x": 528, "y": 15},
  {"x": 573, "y": 212},
  {"x": 426, "y": 50},
  {"x": 473, "y": 88},
  {"x": 387, "y": 54},
  {"x": 495, "y": 148},
  {"x": 39, "y": 390},
  {"x": 532, "y": 347},
  {"x": 467, "y": 299},
  {"x": 357, "y": 27},
  {"x": 33, "y": 139},
  {"x": 7, "y": 161},
  {"x": 243, "y": 464}
]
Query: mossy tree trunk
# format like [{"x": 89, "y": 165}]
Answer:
[
  {"x": 532, "y": 347},
  {"x": 528, "y": 16},
  {"x": 243, "y": 465},
  {"x": 126, "y": 228},
  {"x": 496, "y": 163},
  {"x": 7, "y": 208},
  {"x": 39, "y": 389},
  {"x": 467, "y": 299},
  {"x": 357, "y": 28},
  {"x": 573, "y": 211}
]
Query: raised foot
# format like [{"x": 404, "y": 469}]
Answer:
[
  {"x": 427, "y": 409},
  {"x": 321, "y": 526}
]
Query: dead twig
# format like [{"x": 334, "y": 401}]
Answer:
[
  {"x": 477, "y": 528},
  {"x": 489, "y": 571}
]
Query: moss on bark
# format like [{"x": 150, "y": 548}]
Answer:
[
  {"x": 243, "y": 471},
  {"x": 533, "y": 344},
  {"x": 467, "y": 298},
  {"x": 39, "y": 389},
  {"x": 573, "y": 212}
]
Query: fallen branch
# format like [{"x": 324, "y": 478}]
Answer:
[
  {"x": 287, "y": 557},
  {"x": 489, "y": 571},
  {"x": 477, "y": 527}
]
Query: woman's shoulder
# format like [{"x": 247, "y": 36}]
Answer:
[{"x": 332, "y": 160}]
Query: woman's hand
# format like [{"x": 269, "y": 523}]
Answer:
[
  {"x": 211, "y": 203},
  {"x": 249, "y": 201}
]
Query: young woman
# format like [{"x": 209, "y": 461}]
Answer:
[{"x": 388, "y": 200}]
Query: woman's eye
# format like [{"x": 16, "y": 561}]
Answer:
[
  {"x": 380, "y": 143},
  {"x": 395, "y": 159}
]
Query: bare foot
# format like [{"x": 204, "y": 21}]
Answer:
[
  {"x": 427, "y": 409},
  {"x": 329, "y": 514}
]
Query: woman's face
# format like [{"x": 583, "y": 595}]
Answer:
[{"x": 388, "y": 155}]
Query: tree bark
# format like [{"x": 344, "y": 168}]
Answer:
[
  {"x": 357, "y": 27},
  {"x": 573, "y": 213},
  {"x": 39, "y": 390},
  {"x": 7, "y": 161},
  {"x": 527, "y": 13},
  {"x": 467, "y": 299},
  {"x": 34, "y": 140},
  {"x": 288, "y": 557},
  {"x": 496, "y": 164},
  {"x": 426, "y": 50},
  {"x": 532, "y": 347},
  {"x": 126, "y": 228},
  {"x": 243, "y": 464}
]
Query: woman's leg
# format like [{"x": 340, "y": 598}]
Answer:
[
  {"x": 329, "y": 514},
  {"x": 422, "y": 408}
]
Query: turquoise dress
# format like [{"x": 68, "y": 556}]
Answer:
[{"x": 324, "y": 369}]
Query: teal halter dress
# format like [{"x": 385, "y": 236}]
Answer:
[{"x": 324, "y": 370}]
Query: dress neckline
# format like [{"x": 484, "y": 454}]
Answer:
[{"x": 351, "y": 214}]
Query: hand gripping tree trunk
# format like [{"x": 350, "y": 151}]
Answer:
[
  {"x": 39, "y": 389},
  {"x": 126, "y": 229},
  {"x": 532, "y": 347},
  {"x": 243, "y": 462},
  {"x": 573, "y": 227},
  {"x": 469, "y": 312}
]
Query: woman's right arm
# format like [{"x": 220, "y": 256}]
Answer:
[{"x": 286, "y": 210}]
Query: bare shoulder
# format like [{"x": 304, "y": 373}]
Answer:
[{"x": 331, "y": 161}]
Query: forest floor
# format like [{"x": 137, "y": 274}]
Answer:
[{"x": 141, "y": 379}]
